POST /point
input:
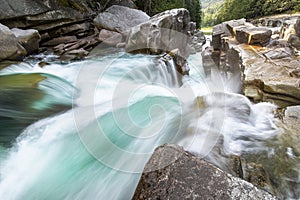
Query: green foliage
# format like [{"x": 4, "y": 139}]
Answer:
[
  {"x": 211, "y": 12},
  {"x": 234, "y": 9},
  {"x": 152, "y": 7},
  {"x": 216, "y": 11}
]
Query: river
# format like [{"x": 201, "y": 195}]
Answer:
[{"x": 113, "y": 112}]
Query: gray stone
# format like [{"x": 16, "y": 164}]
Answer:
[
  {"x": 278, "y": 53},
  {"x": 120, "y": 18},
  {"x": 47, "y": 15},
  {"x": 110, "y": 37},
  {"x": 297, "y": 26},
  {"x": 8, "y": 43},
  {"x": 292, "y": 118},
  {"x": 71, "y": 29},
  {"x": 29, "y": 39},
  {"x": 192, "y": 27},
  {"x": 60, "y": 40},
  {"x": 294, "y": 40},
  {"x": 172, "y": 173},
  {"x": 163, "y": 32},
  {"x": 13, "y": 9},
  {"x": 74, "y": 54},
  {"x": 256, "y": 35}
]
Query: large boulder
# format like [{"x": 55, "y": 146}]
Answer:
[
  {"x": 163, "y": 32},
  {"x": 29, "y": 39},
  {"x": 120, "y": 18},
  {"x": 253, "y": 35},
  {"x": 8, "y": 43},
  {"x": 173, "y": 173}
]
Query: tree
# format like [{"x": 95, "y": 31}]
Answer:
[
  {"x": 152, "y": 7},
  {"x": 249, "y": 9}
]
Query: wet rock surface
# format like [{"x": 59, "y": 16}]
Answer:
[{"x": 172, "y": 173}]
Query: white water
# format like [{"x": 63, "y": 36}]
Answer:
[{"x": 127, "y": 105}]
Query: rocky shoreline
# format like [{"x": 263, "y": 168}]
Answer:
[
  {"x": 71, "y": 30},
  {"x": 265, "y": 54}
]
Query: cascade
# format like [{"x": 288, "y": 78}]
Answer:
[{"x": 123, "y": 107}]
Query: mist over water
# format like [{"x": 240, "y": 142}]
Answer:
[{"x": 124, "y": 106}]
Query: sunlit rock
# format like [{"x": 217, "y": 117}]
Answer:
[{"x": 256, "y": 35}]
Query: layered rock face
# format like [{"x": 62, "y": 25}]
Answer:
[
  {"x": 172, "y": 173},
  {"x": 267, "y": 60},
  {"x": 44, "y": 15},
  {"x": 64, "y": 25},
  {"x": 71, "y": 29}
]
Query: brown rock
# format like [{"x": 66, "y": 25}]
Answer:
[
  {"x": 110, "y": 37},
  {"x": 60, "y": 40},
  {"x": 257, "y": 35}
]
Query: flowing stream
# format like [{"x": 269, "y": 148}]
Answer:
[{"x": 123, "y": 107}]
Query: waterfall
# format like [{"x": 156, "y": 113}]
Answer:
[{"x": 124, "y": 106}]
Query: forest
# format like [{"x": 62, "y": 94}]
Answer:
[
  {"x": 152, "y": 7},
  {"x": 220, "y": 10}
]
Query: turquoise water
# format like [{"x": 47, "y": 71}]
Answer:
[{"x": 123, "y": 107}]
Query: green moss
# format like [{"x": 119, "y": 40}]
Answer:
[{"x": 20, "y": 80}]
